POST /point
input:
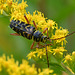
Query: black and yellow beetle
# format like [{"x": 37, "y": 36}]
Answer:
[{"x": 30, "y": 32}]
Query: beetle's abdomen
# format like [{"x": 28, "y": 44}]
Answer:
[
  {"x": 26, "y": 30},
  {"x": 17, "y": 26}
]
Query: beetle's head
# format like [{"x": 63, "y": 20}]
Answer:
[{"x": 44, "y": 39}]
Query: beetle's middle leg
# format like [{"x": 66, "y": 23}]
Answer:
[{"x": 46, "y": 29}]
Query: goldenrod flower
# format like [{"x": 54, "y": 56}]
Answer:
[
  {"x": 13, "y": 68},
  {"x": 31, "y": 55},
  {"x": 73, "y": 53},
  {"x": 40, "y": 53},
  {"x": 38, "y": 17},
  {"x": 6, "y": 6},
  {"x": 51, "y": 24},
  {"x": 59, "y": 33},
  {"x": 58, "y": 50},
  {"x": 12, "y": 6},
  {"x": 2, "y": 1},
  {"x": 3, "y": 7},
  {"x": 26, "y": 69},
  {"x": 73, "y": 56},
  {"x": 46, "y": 72},
  {"x": 67, "y": 58},
  {"x": 9, "y": 2}
]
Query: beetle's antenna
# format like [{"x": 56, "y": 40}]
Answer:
[
  {"x": 64, "y": 36},
  {"x": 47, "y": 55},
  {"x": 49, "y": 39}
]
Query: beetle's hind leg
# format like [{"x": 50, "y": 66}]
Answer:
[
  {"x": 32, "y": 45},
  {"x": 26, "y": 19},
  {"x": 15, "y": 34},
  {"x": 35, "y": 25}
]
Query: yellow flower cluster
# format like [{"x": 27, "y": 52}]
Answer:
[
  {"x": 2, "y": 1},
  {"x": 18, "y": 11},
  {"x": 69, "y": 58},
  {"x": 2, "y": 5},
  {"x": 58, "y": 50},
  {"x": 73, "y": 55},
  {"x": 12, "y": 7},
  {"x": 39, "y": 53},
  {"x": 59, "y": 33},
  {"x": 41, "y": 21},
  {"x": 42, "y": 52},
  {"x": 46, "y": 72},
  {"x": 13, "y": 68}
]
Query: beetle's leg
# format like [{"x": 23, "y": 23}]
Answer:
[
  {"x": 32, "y": 45},
  {"x": 47, "y": 55},
  {"x": 37, "y": 46},
  {"x": 35, "y": 24},
  {"x": 15, "y": 34},
  {"x": 26, "y": 19},
  {"x": 41, "y": 46},
  {"x": 46, "y": 29}
]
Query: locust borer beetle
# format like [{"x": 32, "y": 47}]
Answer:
[{"x": 30, "y": 32}]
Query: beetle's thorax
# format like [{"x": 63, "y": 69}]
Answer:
[{"x": 39, "y": 37}]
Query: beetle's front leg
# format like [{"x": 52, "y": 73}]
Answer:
[{"x": 46, "y": 29}]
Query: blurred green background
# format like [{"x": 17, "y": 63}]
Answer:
[{"x": 61, "y": 11}]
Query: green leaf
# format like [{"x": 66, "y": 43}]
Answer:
[
  {"x": 67, "y": 70},
  {"x": 56, "y": 65},
  {"x": 57, "y": 68}
]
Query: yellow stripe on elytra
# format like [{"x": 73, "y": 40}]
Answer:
[{"x": 16, "y": 25}]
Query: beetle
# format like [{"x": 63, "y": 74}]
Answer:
[{"x": 30, "y": 32}]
